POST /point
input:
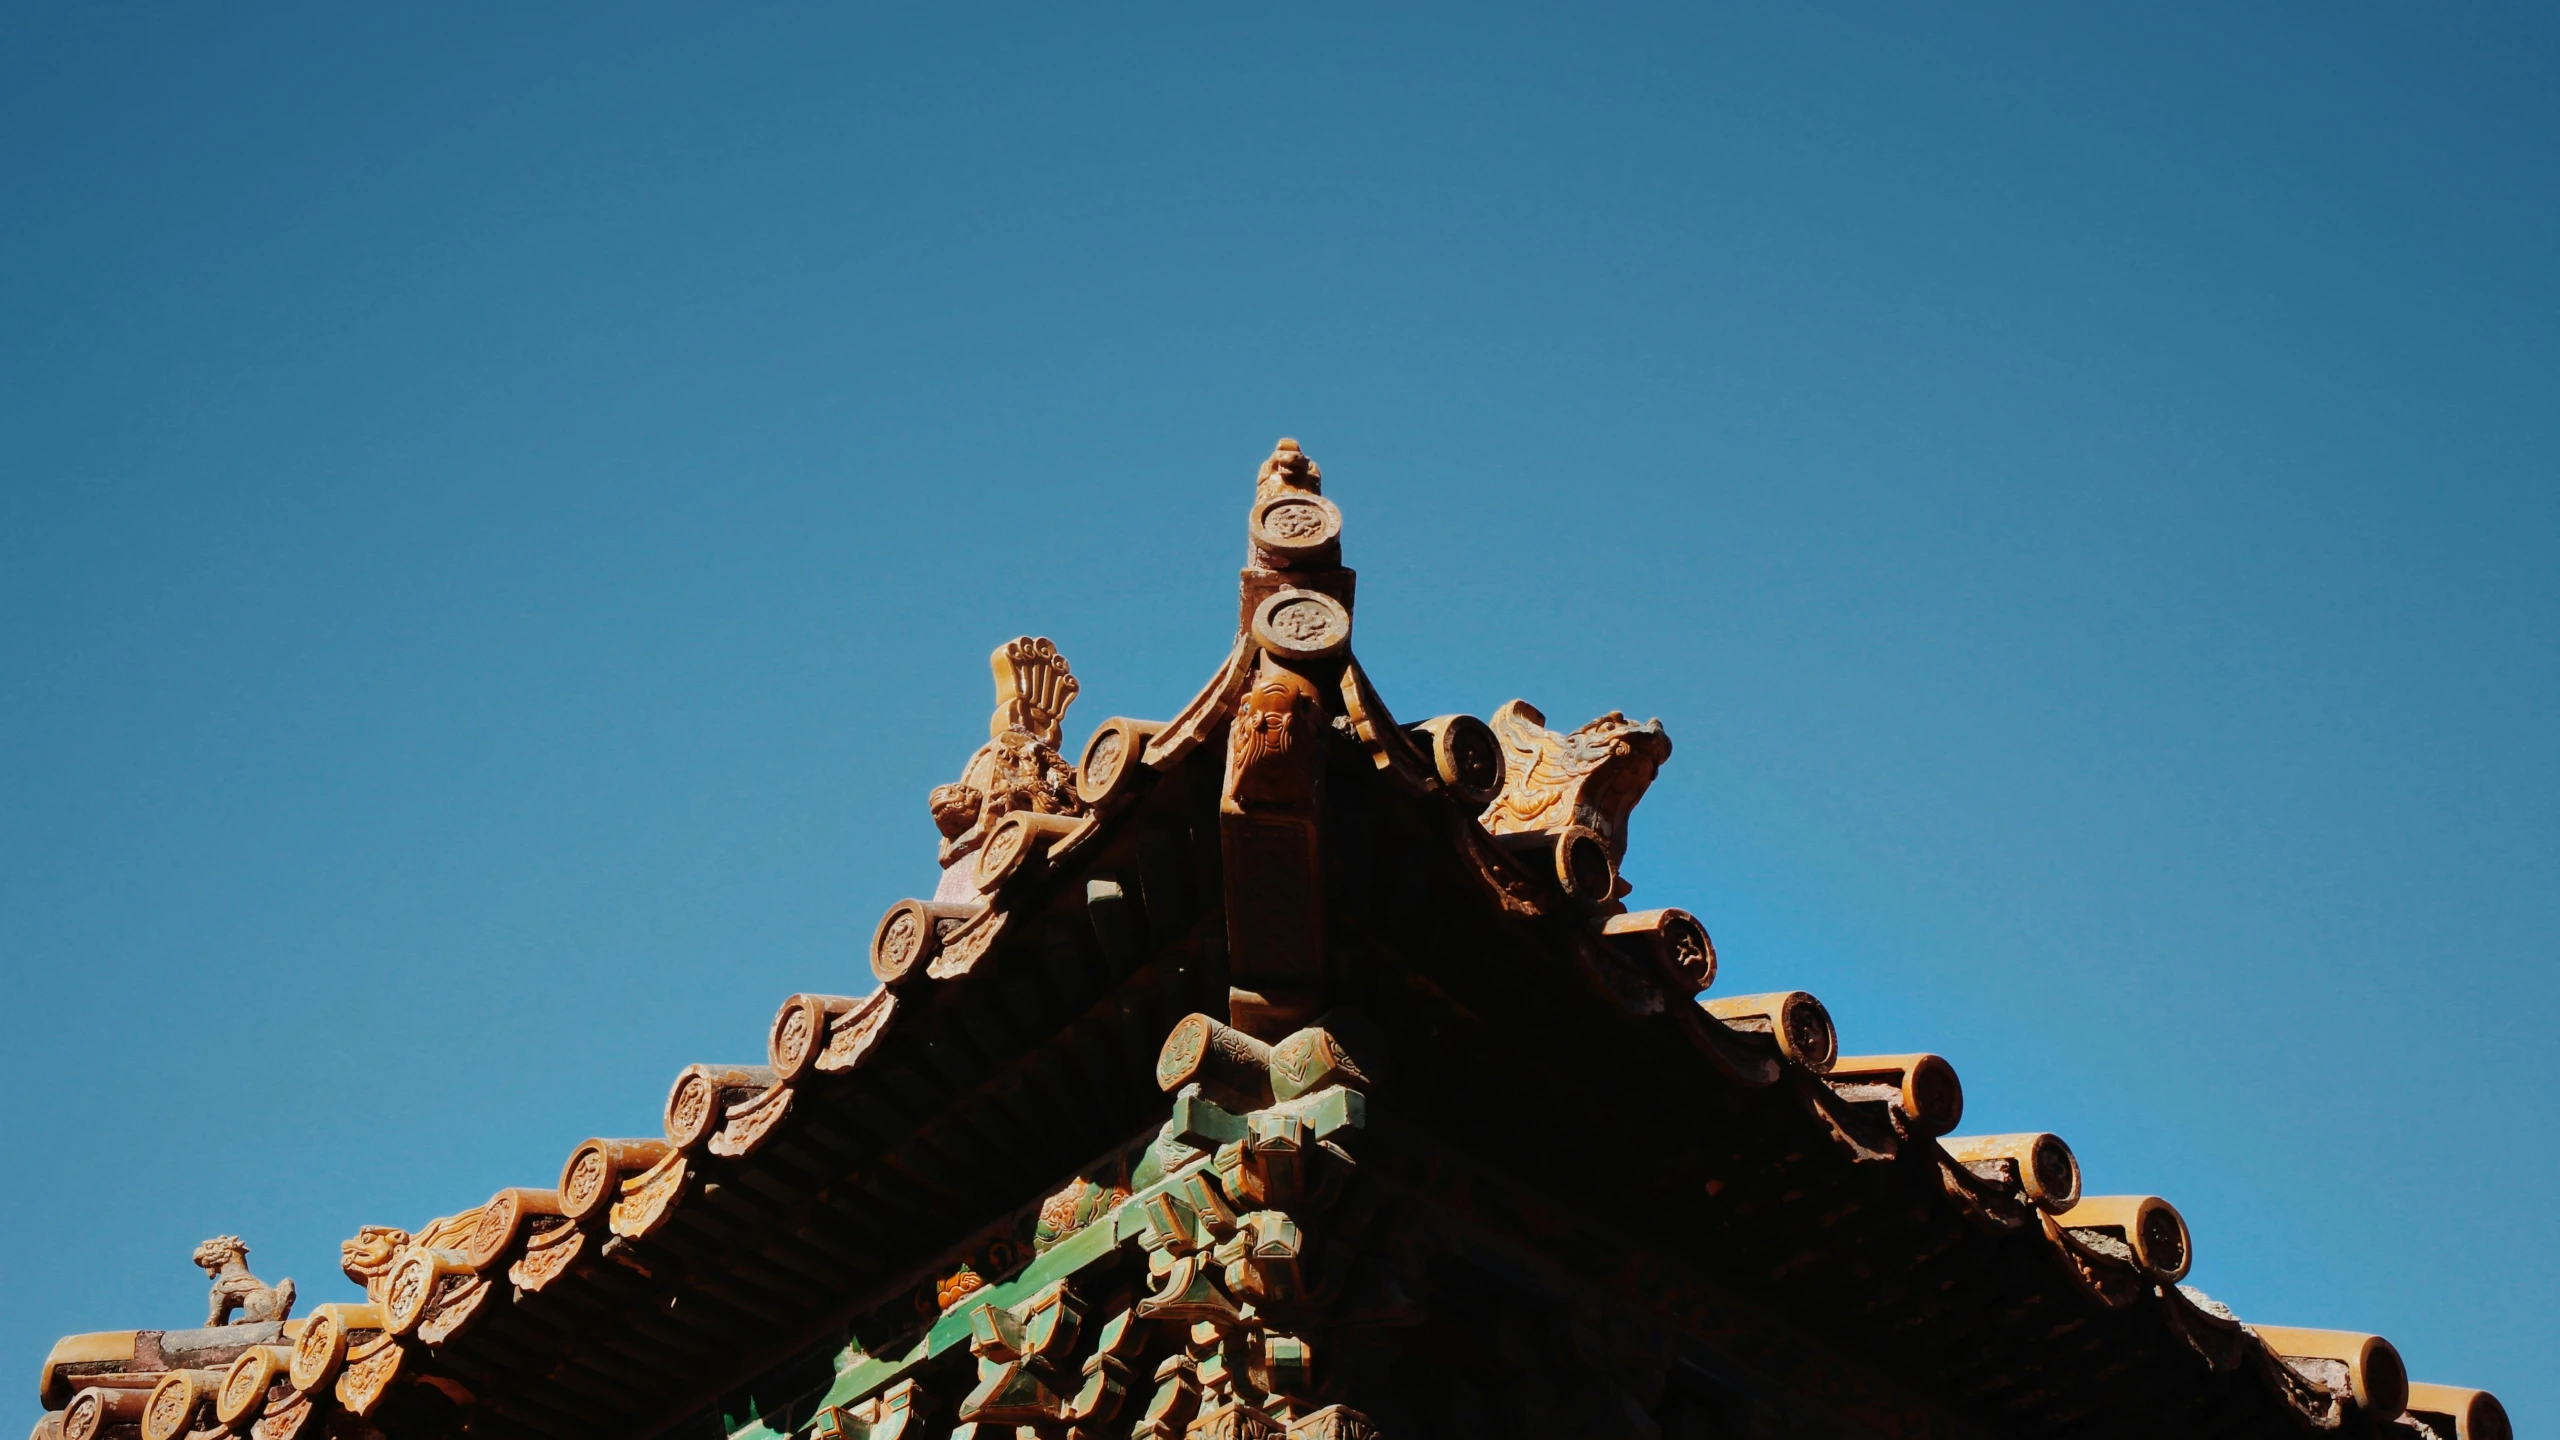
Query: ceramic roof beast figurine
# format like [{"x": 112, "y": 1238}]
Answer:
[{"x": 227, "y": 1260}]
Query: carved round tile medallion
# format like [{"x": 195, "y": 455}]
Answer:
[
  {"x": 1102, "y": 759},
  {"x": 1179, "y": 1060},
  {"x": 498, "y": 1221},
  {"x": 172, "y": 1405},
  {"x": 317, "y": 1355},
  {"x": 1691, "y": 952},
  {"x": 798, "y": 1033},
  {"x": 405, "y": 1295},
  {"x": 244, "y": 1385},
  {"x": 2055, "y": 1175},
  {"x": 582, "y": 1188},
  {"x": 1294, "y": 525},
  {"x": 1811, "y": 1040},
  {"x": 693, "y": 1110},
  {"x": 2164, "y": 1240},
  {"x": 1111, "y": 758},
  {"x": 85, "y": 1417},
  {"x": 1302, "y": 624},
  {"x": 905, "y": 939},
  {"x": 1003, "y": 853},
  {"x": 1468, "y": 759}
]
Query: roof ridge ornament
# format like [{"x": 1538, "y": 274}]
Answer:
[
  {"x": 1291, "y": 523},
  {"x": 1294, "y": 542},
  {"x": 1019, "y": 769},
  {"x": 1580, "y": 785},
  {"x": 1287, "y": 469},
  {"x": 1033, "y": 688},
  {"x": 1294, "y": 601},
  {"x": 367, "y": 1259}
]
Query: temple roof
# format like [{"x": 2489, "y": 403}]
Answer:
[{"x": 1439, "y": 903}]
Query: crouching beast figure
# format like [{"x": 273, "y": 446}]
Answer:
[{"x": 227, "y": 1260}]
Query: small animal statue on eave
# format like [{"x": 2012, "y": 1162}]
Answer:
[{"x": 227, "y": 1260}]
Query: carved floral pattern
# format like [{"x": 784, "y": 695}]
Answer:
[
  {"x": 1079, "y": 1204},
  {"x": 901, "y": 940},
  {"x": 284, "y": 1418},
  {"x": 369, "y": 1372},
  {"x": 851, "y": 1035},
  {"x": 957, "y": 1286},
  {"x": 547, "y": 1258}
]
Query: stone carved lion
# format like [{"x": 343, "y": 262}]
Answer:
[{"x": 226, "y": 1259}]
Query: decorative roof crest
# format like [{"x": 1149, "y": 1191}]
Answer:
[
  {"x": 1033, "y": 689},
  {"x": 1589, "y": 778},
  {"x": 1019, "y": 769},
  {"x": 1293, "y": 527}
]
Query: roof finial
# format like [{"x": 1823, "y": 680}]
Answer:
[
  {"x": 1033, "y": 689},
  {"x": 1288, "y": 468},
  {"x": 1295, "y": 539},
  {"x": 1019, "y": 768}
]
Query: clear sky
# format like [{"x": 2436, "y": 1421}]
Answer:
[{"x": 503, "y": 514}]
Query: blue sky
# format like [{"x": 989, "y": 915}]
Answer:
[{"x": 502, "y": 516}]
